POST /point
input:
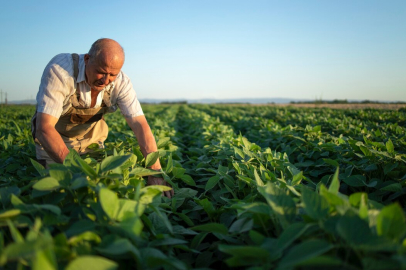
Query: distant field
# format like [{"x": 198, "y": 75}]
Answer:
[
  {"x": 382, "y": 106},
  {"x": 291, "y": 186}
]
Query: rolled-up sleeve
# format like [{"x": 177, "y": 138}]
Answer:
[
  {"x": 53, "y": 89},
  {"x": 127, "y": 99}
]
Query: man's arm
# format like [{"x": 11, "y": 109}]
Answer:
[
  {"x": 146, "y": 140},
  {"x": 50, "y": 138}
]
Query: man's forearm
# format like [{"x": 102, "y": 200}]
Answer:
[
  {"x": 145, "y": 138},
  {"x": 53, "y": 144},
  {"x": 148, "y": 145}
]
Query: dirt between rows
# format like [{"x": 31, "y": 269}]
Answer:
[{"x": 382, "y": 106}]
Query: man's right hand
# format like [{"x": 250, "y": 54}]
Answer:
[
  {"x": 160, "y": 181},
  {"x": 49, "y": 138}
]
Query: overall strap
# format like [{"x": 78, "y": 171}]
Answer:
[
  {"x": 75, "y": 98},
  {"x": 75, "y": 58}
]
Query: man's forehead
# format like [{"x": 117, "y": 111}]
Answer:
[{"x": 109, "y": 61}]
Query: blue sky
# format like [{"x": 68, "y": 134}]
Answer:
[{"x": 218, "y": 48}]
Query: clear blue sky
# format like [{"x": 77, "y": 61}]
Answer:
[{"x": 336, "y": 49}]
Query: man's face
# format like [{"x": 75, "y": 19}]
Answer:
[{"x": 101, "y": 71}]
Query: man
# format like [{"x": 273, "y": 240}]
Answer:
[{"x": 74, "y": 94}]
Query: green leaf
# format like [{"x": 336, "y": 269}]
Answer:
[
  {"x": 160, "y": 219},
  {"x": 7, "y": 193},
  {"x": 45, "y": 260},
  {"x": 238, "y": 153},
  {"x": 256, "y": 237},
  {"x": 109, "y": 202},
  {"x": 71, "y": 158},
  {"x": 178, "y": 172},
  {"x": 15, "y": 200},
  {"x": 327, "y": 262},
  {"x": 188, "y": 180},
  {"x": 395, "y": 187},
  {"x": 151, "y": 159},
  {"x": 53, "y": 208},
  {"x": 314, "y": 204},
  {"x": 85, "y": 236},
  {"x": 167, "y": 242},
  {"x": 129, "y": 206},
  {"x": 198, "y": 239},
  {"x": 355, "y": 181},
  {"x": 131, "y": 162},
  {"x": 118, "y": 247},
  {"x": 335, "y": 183},
  {"x": 389, "y": 167},
  {"x": 131, "y": 223},
  {"x": 242, "y": 225},
  {"x": 297, "y": 178},
  {"x": 290, "y": 234},
  {"x": 46, "y": 184},
  {"x": 282, "y": 205},
  {"x": 222, "y": 170},
  {"x": 258, "y": 179},
  {"x": 91, "y": 262},
  {"x": 61, "y": 175},
  {"x": 303, "y": 252},
  {"x": 17, "y": 237},
  {"x": 138, "y": 153},
  {"x": 365, "y": 151},
  {"x": 162, "y": 142},
  {"x": 331, "y": 162},
  {"x": 140, "y": 171},
  {"x": 207, "y": 206},
  {"x": 149, "y": 195},
  {"x": 169, "y": 164},
  {"x": 212, "y": 182},
  {"x": 391, "y": 222},
  {"x": 212, "y": 228},
  {"x": 186, "y": 219},
  {"x": 389, "y": 147},
  {"x": 40, "y": 169},
  {"x": 185, "y": 193},
  {"x": 159, "y": 188},
  {"x": 10, "y": 213},
  {"x": 112, "y": 162},
  {"x": 79, "y": 183},
  {"x": 244, "y": 255},
  {"x": 80, "y": 227},
  {"x": 85, "y": 167},
  {"x": 354, "y": 230},
  {"x": 27, "y": 249}
]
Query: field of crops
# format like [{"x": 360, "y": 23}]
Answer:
[{"x": 255, "y": 188}]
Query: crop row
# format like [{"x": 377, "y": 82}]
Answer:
[
  {"x": 371, "y": 155},
  {"x": 247, "y": 195}
]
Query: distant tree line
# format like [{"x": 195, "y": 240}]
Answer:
[{"x": 345, "y": 101}]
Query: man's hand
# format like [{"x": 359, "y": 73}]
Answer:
[
  {"x": 160, "y": 181},
  {"x": 49, "y": 138},
  {"x": 146, "y": 140}
]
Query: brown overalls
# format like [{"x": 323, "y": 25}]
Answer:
[{"x": 78, "y": 127}]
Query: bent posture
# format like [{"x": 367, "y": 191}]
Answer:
[{"x": 74, "y": 94}]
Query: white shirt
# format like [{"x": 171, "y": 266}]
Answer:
[{"x": 58, "y": 85}]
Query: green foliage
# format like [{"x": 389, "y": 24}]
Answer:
[{"x": 255, "y": 188}]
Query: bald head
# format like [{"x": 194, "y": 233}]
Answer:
[
  {"x": 103, "y": 63},
  {"x": 106, "y": 49}
]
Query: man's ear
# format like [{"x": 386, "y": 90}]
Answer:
[{"x": 87, "y": 57}]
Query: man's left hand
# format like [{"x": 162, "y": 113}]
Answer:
[{"x": 160, "y": 181}]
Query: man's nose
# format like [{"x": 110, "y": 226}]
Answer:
[{"x": 106, "y": 79}]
